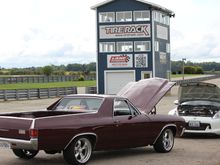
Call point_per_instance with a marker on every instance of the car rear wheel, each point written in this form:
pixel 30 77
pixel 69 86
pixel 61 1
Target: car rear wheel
pixel 79 151
pixel 25 154
pixel 165 141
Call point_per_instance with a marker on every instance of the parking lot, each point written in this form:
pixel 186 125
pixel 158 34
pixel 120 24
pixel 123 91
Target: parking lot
pixel 193 150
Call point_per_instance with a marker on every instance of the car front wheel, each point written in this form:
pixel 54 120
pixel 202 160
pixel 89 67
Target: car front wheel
pixel 25 154
pixel 78 152
pixel 165 141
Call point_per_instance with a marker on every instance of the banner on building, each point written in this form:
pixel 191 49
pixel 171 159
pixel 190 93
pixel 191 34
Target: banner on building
pixel 120 61
pixel 124 31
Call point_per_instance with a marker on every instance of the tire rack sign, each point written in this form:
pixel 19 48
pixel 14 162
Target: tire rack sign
pixel 120 61
pixel 124 31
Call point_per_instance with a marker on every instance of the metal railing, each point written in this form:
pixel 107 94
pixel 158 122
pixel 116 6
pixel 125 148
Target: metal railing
pixel 27 94
pixel 42 79
pixel 91 90
pixel 210 77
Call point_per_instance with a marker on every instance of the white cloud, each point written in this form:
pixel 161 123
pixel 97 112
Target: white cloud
pixel 42 32
pixel 38 31
pixel 195 30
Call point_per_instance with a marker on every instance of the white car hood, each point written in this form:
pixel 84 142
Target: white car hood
pixel 198 91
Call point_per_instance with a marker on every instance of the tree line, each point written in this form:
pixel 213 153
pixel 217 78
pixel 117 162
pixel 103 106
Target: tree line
pixel 86 69
pixel 194 67
pixel 70 69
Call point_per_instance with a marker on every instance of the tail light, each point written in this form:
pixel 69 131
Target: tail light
pixel 33 133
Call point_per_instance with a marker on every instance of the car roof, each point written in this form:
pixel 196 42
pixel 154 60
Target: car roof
pixel 92 95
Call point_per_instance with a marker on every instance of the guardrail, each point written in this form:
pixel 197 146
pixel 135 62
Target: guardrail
pixel 27 94
pixel 24 94
pixel 91 90
pixel 42 79
pixel 210 77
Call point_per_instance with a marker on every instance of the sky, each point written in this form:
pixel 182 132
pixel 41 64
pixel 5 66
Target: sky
pixel 45 32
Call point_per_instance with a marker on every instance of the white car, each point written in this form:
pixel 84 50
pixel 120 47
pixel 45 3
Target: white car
pixel 199 104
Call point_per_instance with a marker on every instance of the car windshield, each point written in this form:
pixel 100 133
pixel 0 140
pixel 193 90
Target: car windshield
pixel 85 104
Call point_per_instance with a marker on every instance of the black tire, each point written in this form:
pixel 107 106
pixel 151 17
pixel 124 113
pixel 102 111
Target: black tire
pixel 25 154
pixel 165 141
pixel 79 151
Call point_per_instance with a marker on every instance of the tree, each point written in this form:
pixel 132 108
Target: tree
pixel 199 70
pixel 193 70
pixel 74 67
pixel 91 66
pixel 47 70
pixel 189 70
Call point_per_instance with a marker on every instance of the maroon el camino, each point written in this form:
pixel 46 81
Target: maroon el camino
pixel 77 125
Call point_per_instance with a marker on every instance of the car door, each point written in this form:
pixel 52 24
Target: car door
pixel 132 129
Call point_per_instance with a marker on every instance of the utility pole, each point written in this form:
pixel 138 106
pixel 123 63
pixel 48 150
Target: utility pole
pixel 183 60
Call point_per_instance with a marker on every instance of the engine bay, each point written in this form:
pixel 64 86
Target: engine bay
pixel 198 110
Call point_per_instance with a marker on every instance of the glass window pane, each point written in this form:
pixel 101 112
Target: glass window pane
pixel 106 47
pixel 124 46
pixel 163 58
pixel 156 46
pixel 121 108
pixel 128 16
pixel 141 46
pixel 168 48
pixel 137 16
pixel 158 17
pixel 146 15
pixel 124 16
pixel 107 17
pixel 167 20
pixel 119 17
pixel 85 104
pixel 141 15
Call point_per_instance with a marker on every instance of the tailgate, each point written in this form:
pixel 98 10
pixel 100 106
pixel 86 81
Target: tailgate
pixel 15 128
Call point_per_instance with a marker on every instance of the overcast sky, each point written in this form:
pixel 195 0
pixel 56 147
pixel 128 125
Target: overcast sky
pixel 44 32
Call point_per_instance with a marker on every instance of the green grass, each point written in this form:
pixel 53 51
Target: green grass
pixel 48 85
pixel 212 72
pixel 185 75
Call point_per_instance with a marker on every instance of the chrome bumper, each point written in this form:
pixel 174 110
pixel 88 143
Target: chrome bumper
pixel 31 144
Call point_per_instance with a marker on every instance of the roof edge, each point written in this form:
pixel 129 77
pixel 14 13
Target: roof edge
pixel 159 7
pixel 156 6
pixel 100 4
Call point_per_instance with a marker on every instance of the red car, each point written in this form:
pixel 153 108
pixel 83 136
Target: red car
pixel 77 125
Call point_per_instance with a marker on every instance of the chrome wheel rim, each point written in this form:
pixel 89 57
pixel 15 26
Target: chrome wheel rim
pixel 168 140
pixel 82 150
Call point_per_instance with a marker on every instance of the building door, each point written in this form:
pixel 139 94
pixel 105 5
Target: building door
pixel 116 80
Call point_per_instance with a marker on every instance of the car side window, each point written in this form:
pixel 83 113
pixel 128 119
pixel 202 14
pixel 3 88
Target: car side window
pixel 121 108
pixel 133 110
pixel 79 104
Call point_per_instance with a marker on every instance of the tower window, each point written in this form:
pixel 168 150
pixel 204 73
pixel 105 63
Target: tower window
pixel 142 46
pixel 106 17
pixel 142 15
pixel 106 47
pixel 124 46
pixel 125 16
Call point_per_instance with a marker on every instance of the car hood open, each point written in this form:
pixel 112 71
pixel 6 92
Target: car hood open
pixel 145 94
pixel 198 91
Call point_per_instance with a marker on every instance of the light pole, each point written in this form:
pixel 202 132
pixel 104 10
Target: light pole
pixel 183 60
